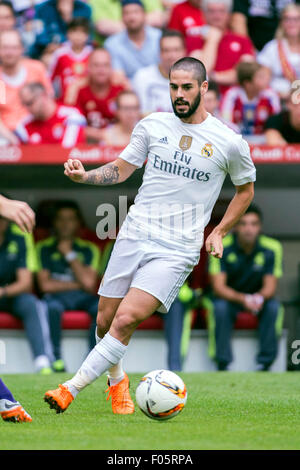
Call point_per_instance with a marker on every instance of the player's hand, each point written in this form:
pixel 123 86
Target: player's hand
pixel 214 244
pixel 64 247
pixel 18 212
pixel 253 302
pixel 74 169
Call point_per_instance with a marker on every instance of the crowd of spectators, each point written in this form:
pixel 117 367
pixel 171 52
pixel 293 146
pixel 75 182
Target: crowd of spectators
pixel 84 53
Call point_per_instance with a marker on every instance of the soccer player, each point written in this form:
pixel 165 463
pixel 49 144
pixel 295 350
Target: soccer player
pixel 20 213
pixel 189 153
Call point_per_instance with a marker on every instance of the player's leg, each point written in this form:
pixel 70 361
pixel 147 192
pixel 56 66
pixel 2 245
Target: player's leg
pixel 269 329
pixel 109 351
pixel 136 306
pixel 10 409
pixel 62 397
pixel 107 308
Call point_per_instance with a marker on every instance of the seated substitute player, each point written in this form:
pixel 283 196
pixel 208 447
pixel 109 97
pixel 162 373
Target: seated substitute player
pixel 49 122
pixel 21 214
pixel 68 274
pixel 189 153
pixel 246 278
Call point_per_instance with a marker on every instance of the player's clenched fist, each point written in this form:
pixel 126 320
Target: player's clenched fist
pixel 74 169
pixel 214 244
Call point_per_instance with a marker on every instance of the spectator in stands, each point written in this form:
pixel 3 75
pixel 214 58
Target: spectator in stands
pixel 219 48
pixel 68 274
pixel 257 19
pixel 284 128
pixel 138 45
pixel 7 16
pixel 245 278
pixel 96 97
pixel 17 264
pixel 152 83
pixel 128 113
pixel 49 122
pixel 282 54
pixel 69 62
pixel 251 103
pixel 54 16
pixel 107 15
pixel 188 18
pixel 212 104
pixel 15 72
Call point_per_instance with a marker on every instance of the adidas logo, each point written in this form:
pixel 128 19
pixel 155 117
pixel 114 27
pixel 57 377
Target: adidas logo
pixel 163 140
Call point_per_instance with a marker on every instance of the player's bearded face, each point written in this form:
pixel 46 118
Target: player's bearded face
pixel 190 107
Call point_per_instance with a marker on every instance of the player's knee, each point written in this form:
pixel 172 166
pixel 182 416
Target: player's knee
pixel 126 319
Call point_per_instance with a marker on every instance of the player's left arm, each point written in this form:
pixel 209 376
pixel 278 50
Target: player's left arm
pixel 22 284
pixel 269 286
pixel 238 205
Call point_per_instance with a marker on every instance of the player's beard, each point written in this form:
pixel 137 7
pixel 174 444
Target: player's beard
pixel 192 107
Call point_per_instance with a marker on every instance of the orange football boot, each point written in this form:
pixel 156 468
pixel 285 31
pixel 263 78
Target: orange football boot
pixel 121 401
pixel 59 399
pixel 15 414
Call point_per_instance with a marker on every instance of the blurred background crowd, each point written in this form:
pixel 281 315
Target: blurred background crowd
pixel 87 71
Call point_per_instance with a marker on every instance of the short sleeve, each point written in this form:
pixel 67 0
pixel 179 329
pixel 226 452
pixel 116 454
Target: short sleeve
pixel 93 257
pixel 43 260
pixel 136 151
pixel 240 165
pixel 268 54
pixel 116 60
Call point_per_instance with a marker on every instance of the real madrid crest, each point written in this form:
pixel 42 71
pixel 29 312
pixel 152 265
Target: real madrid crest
pixel 185 142
pixel 207 150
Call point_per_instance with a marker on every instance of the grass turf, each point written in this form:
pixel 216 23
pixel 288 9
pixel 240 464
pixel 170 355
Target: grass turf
pixel 223 411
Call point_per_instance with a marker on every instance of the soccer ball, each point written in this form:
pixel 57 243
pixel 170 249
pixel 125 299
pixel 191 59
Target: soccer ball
pixel 161 394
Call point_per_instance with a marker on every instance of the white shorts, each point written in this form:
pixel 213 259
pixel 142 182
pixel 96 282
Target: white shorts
pixel 149 266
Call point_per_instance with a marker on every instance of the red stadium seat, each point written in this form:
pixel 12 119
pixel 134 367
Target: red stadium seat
pixel 246 321
pixel 152 323
pixel 76 320
pixel 9 322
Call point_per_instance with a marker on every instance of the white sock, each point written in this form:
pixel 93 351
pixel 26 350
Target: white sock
pixel 98 339
pixel 115 373
pixel 104 355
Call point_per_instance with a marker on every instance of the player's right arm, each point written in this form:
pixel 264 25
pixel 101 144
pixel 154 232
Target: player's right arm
pixel 111 173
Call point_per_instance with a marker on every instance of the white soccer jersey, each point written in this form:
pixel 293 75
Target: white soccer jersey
pixel 152 89
pixel 185 170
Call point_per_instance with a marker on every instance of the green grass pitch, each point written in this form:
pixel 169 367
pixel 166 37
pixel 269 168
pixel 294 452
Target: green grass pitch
pixel 223 411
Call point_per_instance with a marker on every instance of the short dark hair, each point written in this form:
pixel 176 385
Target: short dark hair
pixel 191 64
pixel 254 209
pixel 125 93
pixel 171 33
pixel 246 71
pixel 79 22
pixel 67 204
pixel 213 86
pixel 6 3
